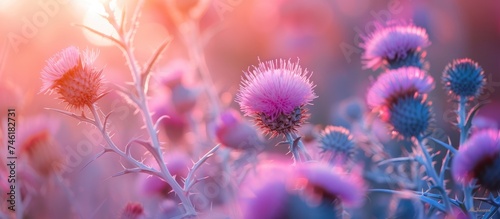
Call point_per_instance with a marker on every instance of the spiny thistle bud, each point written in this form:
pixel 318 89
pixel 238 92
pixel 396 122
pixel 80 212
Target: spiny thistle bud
pixel 71 74
pixel 352 109
pixel 337 141
pixel 177 123
pixel 233 132
pixel 275 94
pixel 395 46
pixel 410 116
pixel 184 98
pixel 396 83
pixel 479 158
pixel 464 78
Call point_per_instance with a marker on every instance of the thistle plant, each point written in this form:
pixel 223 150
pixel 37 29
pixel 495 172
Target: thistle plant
pixel 275 94
pixel 72 75
pixel 464 80
pixel 196 156
pixel 399 97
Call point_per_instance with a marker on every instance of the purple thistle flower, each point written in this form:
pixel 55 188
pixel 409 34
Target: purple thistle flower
pixel 479 158
pixel 332 182
pixel 396 46
pixel 464 78
pixel 396 83
pixel 275 94
pixel 311 190
pixel 176 125
pixel 233 132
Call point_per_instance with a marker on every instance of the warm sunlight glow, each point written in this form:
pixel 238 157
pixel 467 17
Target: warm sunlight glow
pixel 93 19
pixel 6 4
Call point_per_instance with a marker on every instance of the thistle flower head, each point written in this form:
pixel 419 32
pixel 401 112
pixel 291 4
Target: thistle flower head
pixel 409 116
pixel 71 74
pixel 233 132
pixel 332 182
pixel 479 158
pixel 397 83
pixel 37 143
pixel 352 109
pixel 176 125
pixel 311 190
pixel 133 211
pixel 464 78
pixel 176 72
pixel 275 94
pixel 398 44
pixel 338 141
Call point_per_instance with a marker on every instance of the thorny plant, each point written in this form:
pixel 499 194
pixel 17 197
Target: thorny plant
pixel 138 95
pixel 275 94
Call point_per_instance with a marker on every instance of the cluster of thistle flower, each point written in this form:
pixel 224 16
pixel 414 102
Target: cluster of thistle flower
pixel 321 181
pixel 399 97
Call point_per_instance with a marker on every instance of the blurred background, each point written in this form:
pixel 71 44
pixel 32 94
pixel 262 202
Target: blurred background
pixel 323 34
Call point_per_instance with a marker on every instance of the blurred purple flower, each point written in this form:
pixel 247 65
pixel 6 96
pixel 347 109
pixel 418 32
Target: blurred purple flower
pixel 400 44
pixel 184 98
pixel 176 72
pixel 483 123
pixel 479 158
pixel 233 132
pixel 176 125
pixel 133 211
pixel 275 94
pixel 313 189
pixel 37 144
pixel 332 182
pixel 397 83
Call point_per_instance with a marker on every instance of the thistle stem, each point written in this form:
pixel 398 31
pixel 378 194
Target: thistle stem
pixel 431 172
pixel 461 120
pixel 192 41
pixel 165 174
pixel 302 147
pixel 296 145
pixel 143 107
pixel 293 149
pixel 464 132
